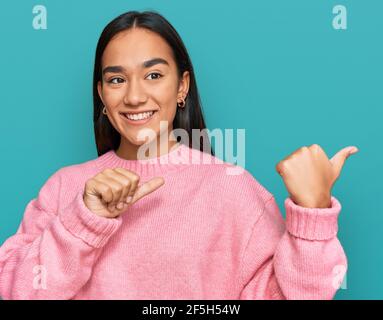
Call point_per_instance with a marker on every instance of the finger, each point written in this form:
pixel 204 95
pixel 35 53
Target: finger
pixel 318 152
pixel 134 180
pixel 316 148
pixel 282 167
pixel 102 190
pixel 148 187
pixel 116 189
pixel 125 181
pixel 279 167
pixel 297 151
pixel 340 157
pixel 281 164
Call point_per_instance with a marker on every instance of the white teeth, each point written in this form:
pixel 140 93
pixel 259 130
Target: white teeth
pixel 139 116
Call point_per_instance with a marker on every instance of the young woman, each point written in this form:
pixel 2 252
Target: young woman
pixel 170 226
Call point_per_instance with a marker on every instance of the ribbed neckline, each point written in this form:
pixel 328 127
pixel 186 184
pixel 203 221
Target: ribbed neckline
pixel 179 157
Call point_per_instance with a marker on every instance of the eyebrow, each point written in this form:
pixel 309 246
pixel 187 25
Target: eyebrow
pixel 145 64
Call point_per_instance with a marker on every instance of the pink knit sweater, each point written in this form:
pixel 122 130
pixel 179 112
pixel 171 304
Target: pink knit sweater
pixel 205 234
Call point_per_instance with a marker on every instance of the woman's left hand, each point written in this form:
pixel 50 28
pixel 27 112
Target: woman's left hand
pixel 309 175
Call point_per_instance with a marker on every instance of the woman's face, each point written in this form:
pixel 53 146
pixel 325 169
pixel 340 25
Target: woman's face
pixel 140 81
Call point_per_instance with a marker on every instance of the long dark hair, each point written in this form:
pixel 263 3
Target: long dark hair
pixel 191 117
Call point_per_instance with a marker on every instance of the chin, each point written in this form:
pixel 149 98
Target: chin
pixel 138 143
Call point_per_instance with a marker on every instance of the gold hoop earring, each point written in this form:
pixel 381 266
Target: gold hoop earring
pixel 181 104
pixel 104 110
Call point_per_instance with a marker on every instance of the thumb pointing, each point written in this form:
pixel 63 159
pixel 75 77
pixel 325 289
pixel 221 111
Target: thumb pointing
pixel 340 157
pixel 147 187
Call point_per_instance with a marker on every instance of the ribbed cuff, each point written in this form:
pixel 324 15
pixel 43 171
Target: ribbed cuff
pixel 86 225
pixel 312 223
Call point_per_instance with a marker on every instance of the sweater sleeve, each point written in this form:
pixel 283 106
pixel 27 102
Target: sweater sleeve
pixel 300 258
pixel 53 251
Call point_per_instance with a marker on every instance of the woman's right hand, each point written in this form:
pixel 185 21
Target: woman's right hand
pixel 109 193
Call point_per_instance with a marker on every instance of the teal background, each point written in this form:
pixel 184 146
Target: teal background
pixel 276 68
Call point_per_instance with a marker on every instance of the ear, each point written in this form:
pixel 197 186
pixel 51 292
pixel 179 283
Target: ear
pixel 183 87
pixel 99 89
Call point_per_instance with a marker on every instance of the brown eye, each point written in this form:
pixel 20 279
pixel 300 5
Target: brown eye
pixel 116 80
pixel 156 75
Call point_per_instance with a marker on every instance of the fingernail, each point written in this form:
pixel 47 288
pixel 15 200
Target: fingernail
pixel 353 150
pixel 128 199
pixel 120 205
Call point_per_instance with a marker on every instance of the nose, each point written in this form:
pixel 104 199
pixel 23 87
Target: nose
pixel 135 93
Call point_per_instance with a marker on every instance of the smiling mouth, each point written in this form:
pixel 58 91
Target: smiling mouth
pixel 138 116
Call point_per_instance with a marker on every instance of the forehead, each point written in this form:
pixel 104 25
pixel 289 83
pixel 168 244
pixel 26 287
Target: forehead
pixel 131 47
